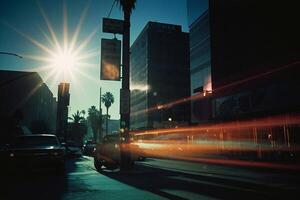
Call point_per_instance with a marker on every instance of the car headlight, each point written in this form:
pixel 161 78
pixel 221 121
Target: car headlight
pixel 57 153
pixel 11 155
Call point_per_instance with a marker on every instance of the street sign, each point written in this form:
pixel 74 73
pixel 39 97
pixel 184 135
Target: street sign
pixel 112 25
pixel 124 101
pixel 110 59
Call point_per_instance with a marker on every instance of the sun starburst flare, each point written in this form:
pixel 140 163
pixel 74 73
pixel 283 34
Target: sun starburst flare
pixel 62 59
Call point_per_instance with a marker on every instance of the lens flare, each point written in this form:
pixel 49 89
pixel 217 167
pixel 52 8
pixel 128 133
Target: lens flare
pixel 62 57
pixel 64 61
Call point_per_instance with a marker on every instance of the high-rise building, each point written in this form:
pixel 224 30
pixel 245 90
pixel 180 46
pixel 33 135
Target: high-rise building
pixel 200 59
pixel 253 53
pixel 247 54
pixel 159 72
pixel 254 57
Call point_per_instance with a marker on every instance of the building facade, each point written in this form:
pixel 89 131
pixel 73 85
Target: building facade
pixel 200 60
pixel 159 71
pixel 254 57
pixel 245 53
pixel 255 69
pixel 26 101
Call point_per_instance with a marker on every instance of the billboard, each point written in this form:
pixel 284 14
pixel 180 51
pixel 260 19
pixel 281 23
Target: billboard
pixel 110 59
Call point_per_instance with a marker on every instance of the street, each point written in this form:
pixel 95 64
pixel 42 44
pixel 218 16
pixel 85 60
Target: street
pixel 151 179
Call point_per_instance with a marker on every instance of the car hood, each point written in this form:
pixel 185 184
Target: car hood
pixel 37 148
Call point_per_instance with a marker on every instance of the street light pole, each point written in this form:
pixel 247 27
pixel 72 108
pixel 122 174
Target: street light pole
pixel 100 117
pixel 11 54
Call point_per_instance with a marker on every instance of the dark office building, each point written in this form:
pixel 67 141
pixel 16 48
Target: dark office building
pixel 159 75
pixel 255 57
pixel 253 52
pixel 200 60
pixel 247 52
pixel 25 101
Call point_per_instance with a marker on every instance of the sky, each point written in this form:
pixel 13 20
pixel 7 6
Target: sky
pixel 39 30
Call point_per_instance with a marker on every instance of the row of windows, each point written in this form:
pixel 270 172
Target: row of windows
pixel 135 99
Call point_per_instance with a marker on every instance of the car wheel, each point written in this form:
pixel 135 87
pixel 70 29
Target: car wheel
pixel 98 164
pixel 141 158
pixel 112 166
pixel 132 164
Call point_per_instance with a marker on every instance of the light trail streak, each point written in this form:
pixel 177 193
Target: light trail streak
pixel 207 154
pixel 209 144
pixel 263 122
pixel 201 96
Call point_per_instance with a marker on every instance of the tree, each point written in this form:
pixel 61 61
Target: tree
pixel 78 127
pixel 127 6
pixel 108 99
pixel 94 121
pixel 77 117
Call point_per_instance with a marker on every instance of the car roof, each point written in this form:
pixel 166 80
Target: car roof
pixel 111 136
pixel 38 135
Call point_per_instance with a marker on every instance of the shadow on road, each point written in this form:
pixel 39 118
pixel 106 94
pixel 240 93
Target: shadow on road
pixel 33 184
pixel 170 184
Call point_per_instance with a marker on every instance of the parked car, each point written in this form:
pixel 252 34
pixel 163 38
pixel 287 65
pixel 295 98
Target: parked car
pixel 38 150
pixel 107 153
pixel 88 147
pixel 73 149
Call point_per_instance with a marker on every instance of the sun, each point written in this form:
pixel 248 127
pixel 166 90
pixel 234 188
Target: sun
pixel 64 60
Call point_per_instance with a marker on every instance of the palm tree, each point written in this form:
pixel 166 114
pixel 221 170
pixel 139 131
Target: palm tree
pixel 77 117
pixel 78 127
pixel 108 99
pixel 94 120
pixel 127 6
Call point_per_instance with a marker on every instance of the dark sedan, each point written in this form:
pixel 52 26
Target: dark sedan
pixel 88 148
pixel 38 150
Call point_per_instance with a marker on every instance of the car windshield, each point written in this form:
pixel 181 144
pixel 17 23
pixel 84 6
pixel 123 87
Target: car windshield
pixel 111 139
pixel 35 141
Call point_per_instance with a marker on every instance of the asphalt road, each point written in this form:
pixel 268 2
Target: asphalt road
pixel 152 179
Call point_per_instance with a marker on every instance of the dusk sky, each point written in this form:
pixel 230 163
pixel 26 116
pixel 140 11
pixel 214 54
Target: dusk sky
pixel 24 31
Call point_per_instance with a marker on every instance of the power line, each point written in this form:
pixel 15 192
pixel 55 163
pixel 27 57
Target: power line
pixel 111 8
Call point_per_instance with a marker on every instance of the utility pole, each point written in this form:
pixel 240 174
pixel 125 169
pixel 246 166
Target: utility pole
pixel 125 91
pixel 121 27
pixel 100 117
